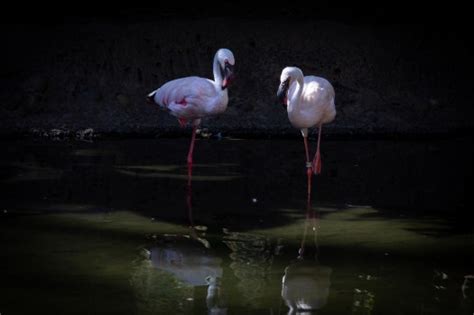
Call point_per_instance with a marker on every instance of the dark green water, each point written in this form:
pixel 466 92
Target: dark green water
pixel 105 227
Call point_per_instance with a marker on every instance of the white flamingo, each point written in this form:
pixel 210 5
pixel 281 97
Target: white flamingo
pixel 191 98
pixel 310 103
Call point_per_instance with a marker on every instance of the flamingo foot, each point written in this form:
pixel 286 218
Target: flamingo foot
pixel 317 164
pixel 309 172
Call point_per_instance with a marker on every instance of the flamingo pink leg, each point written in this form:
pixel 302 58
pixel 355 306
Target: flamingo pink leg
pixel 309 170
pixel 190 155
pixel 303 239
pixel 317 156
pixel 310 216
pixel 306 148
pixel 189 203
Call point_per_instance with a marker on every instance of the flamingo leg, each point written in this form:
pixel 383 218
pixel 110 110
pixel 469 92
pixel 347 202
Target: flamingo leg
pixel 311 217
pixel 303 239
pixel 306 148
pixel 309 170
pixel 190 155
pixel 317 156
pixel 189 203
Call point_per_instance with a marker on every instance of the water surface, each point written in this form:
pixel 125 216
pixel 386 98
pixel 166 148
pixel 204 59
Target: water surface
pixel 111 227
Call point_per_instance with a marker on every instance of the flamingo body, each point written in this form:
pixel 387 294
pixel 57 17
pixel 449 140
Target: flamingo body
pixel 315 106
pixel 310 103
pixel 192 98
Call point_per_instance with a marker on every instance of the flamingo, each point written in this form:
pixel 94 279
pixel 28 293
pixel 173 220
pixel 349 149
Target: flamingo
pixel 310 103
pixel 192 98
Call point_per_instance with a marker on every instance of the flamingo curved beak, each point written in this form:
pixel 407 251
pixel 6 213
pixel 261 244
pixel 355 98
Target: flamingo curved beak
pixel 228 75
pixel 283 92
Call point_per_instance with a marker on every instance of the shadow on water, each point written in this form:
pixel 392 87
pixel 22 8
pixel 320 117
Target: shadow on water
pixel 113 227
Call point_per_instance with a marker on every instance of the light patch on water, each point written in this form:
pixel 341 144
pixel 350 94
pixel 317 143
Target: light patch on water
pixel 57 208
pixel 156 168
pixel 368 228
pixel 212 178
pixel 92 152
pixel 157 291
pixel 33 172
pixel 121 221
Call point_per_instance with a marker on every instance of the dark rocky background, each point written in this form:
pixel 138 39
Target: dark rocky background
pixel 397 70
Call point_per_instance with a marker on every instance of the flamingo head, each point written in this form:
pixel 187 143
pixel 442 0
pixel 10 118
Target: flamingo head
pixel 226 64
pixel 287 77
pixel 282 93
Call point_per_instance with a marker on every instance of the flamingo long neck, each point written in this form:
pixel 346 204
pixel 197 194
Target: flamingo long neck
pixel 217 72
pixel 295 98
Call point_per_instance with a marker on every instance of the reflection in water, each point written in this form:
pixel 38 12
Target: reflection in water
pixel 305 284
pixel 159 292
pixel 82 222
pixel 179 264
pixel 165 282
pixel 252 256
pixel 439 285
pixel 467 288
pixel 215 299
pixel 363 302
pixel 187 261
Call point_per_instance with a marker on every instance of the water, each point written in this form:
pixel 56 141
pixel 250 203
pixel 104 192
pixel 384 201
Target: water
pixel 111 227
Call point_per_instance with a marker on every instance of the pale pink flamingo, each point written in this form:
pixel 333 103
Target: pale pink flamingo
pixel 310 103
pixel 192 98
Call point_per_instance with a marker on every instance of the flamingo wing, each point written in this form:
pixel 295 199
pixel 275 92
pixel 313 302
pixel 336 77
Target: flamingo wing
pixel 187 98
pixel 317 100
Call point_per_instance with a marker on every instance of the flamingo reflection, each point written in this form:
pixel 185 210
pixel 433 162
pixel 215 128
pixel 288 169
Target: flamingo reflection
pixel 306 282
pixel 215 299
pixel 187 261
